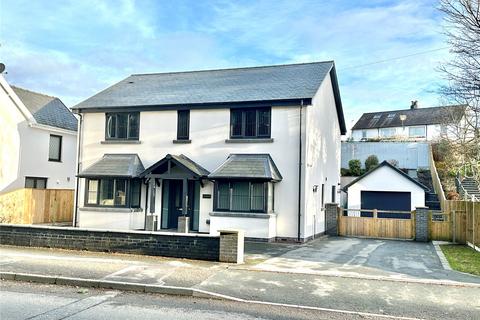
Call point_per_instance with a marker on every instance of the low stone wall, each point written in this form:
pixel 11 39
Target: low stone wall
pixel 189 246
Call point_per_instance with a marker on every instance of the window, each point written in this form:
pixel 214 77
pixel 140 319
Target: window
pixel 334 193
pixel 387 132
pixel 241 196
pixel 55 148
pixel 113 193
pixel 183 124
pixel 250 123
pixel 364 134
pixel 122 126
pixel 35 183
pixel 416 132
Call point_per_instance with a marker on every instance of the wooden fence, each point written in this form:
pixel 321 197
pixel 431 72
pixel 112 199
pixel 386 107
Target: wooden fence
pixel 31 206
pixel 374 227
pixel 459 222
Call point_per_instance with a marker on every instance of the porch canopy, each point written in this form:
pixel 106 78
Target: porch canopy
pixel 248 166
pixel 115 166
pixel 178 167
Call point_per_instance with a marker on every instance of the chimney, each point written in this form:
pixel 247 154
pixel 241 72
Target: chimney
pixel 414 104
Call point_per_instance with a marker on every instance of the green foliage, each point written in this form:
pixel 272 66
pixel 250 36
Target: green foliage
pixel 371 162
pixel 344 172
pixel 355 167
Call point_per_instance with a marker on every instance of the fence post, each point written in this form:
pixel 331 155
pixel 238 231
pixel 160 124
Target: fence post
pixel 421 224
pixel 331 212
pixel 454 226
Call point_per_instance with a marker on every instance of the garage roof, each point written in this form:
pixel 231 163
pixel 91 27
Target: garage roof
pixel 387 164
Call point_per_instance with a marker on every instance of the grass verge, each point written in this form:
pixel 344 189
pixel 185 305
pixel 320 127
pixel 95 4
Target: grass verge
pixel 462 258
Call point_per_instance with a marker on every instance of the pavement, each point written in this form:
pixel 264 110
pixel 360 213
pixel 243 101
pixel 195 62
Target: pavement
pixel 357 275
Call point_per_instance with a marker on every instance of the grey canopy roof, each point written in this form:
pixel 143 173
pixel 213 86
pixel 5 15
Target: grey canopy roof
pixel 47 110
pixel 287 84
pixel 247 166
pixel 420 116
pixel 182 160
pixel 115 165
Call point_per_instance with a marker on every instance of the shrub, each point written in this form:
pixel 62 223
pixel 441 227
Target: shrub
pixel 355 167
pixel 393 162
pixel 344 172
pixel 452 195
pixel 371 162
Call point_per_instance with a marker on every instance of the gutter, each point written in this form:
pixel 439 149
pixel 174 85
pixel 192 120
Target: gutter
pixel 299 175
pixel 79 143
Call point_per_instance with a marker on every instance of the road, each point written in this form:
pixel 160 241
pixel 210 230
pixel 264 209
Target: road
pixel 34 301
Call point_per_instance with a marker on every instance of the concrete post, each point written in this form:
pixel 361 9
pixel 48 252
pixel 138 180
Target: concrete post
pixel 231 246
pixel 331 219
pixel 183 224
pixel 421 224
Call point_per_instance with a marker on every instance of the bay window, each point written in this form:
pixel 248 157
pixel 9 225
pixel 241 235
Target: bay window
pixel 112 192
pixel 241 196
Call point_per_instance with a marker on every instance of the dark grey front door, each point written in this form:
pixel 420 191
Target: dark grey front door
pixel 172 192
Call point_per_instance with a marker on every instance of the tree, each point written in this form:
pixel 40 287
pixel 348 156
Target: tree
pixel 355 167
pixel 371 162
pixel 462 72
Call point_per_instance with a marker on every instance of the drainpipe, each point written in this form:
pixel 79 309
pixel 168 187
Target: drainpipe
pixel 79 143
pixel 300 175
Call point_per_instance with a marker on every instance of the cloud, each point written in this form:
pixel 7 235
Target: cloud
pixel 73 49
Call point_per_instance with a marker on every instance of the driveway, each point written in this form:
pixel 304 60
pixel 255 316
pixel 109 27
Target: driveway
pixel 355 257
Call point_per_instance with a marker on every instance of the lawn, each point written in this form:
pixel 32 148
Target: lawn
pixel 462 258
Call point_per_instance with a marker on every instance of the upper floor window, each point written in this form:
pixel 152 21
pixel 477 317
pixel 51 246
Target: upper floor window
pixel 250 123
pixel 416 132
pixel 55 148
pixel 183 124
pixel 122 126
pixel 35 183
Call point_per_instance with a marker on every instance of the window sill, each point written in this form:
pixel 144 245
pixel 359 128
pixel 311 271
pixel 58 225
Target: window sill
pixel 121 142
pixel 262 140
pixel 110 209
pixel 177 141
pixel 243 214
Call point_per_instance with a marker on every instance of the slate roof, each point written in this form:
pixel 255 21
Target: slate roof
pixel 420 116
pixel 47 110
pixel 181 160
pixel 386 164
pixel 115 165
pixel 281 83
pixel 247 166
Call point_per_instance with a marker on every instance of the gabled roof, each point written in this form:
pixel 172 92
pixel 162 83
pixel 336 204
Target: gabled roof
pixel 267 85
pixel 247 166
pixel 181 160
pixel 115 165
pixel 419 116
pixel 388 165
pixel 47 110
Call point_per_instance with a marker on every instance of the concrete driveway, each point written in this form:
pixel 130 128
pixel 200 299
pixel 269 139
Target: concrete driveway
pixel 355 257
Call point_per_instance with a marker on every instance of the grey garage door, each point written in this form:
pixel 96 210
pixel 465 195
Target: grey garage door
pixel 386 200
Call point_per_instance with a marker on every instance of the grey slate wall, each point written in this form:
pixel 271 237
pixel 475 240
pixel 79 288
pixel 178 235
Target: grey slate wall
pixel 331 210
pixel 201 247
pixel 421 224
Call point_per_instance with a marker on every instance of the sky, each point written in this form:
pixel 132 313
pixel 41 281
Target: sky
pixel 386 52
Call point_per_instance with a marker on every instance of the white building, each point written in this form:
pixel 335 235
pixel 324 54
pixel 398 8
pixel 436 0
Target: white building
pixel 38 135
pixel 384 188
pixel 414 124
pixel 250 148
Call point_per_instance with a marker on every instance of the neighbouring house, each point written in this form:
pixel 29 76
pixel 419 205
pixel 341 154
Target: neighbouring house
pixel 414 124
pixel 38 139
pixel 254 148
pixel 384 188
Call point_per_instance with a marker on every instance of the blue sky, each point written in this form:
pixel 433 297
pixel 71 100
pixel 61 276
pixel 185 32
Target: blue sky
pixel 73 49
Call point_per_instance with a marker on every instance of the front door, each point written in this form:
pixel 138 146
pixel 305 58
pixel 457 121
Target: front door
pixel 172 192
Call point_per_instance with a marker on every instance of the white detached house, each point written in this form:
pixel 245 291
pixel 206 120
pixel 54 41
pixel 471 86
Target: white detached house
pixel 256 149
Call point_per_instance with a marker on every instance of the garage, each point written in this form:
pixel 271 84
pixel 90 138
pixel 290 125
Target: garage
pixel 384 188
pixel 386 200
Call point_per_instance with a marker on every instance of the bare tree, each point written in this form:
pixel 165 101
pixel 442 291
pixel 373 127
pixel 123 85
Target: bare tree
pixel 462 72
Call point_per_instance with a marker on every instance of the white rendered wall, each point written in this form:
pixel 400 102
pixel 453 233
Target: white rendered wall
pixel 260 228
pixel 111 220
pixel 208 131
pixel 322 158
pixel 385 179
